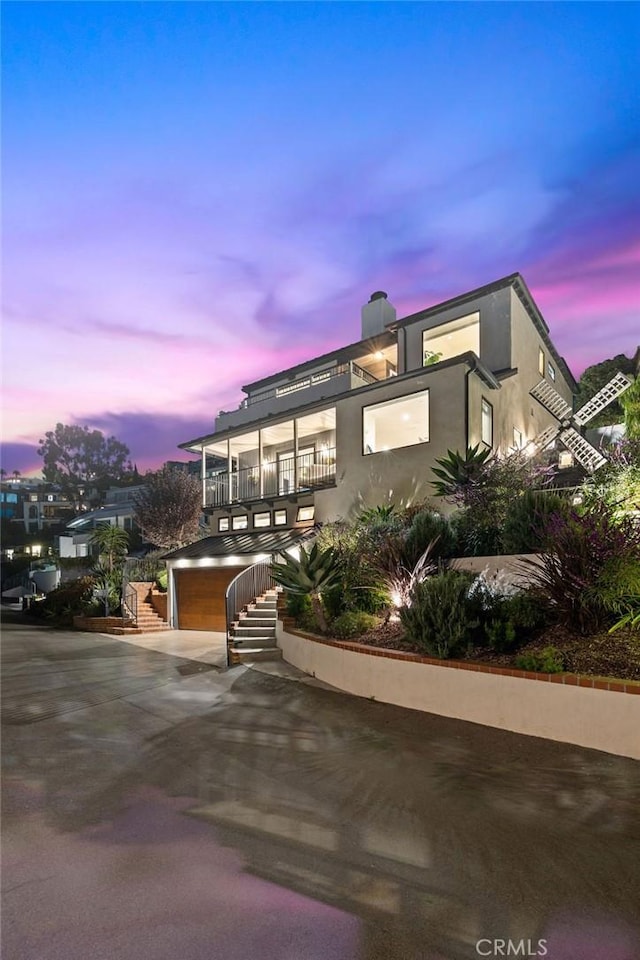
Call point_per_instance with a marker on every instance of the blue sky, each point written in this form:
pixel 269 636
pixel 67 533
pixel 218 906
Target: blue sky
pixel 199 194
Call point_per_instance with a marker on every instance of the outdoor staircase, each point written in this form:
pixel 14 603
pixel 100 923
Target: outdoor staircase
pixel 253 635
pixel 148 620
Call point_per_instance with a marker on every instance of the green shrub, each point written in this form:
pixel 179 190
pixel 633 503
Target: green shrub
pixel 475 535
pixel 344 599
pixel 72 598
pixel 359 584
pixel 427 527
pixel 297 604
pixel 548 660
pixel 500 634
pixel 441 619
pixel 510 621
pixel 300 608
pixel 528 517
pixel 353 624
pixel 161 581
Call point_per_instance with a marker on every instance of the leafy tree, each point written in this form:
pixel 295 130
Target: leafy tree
pixel 168 508
pixel 75 456
pixel 595 377
pixel 112 542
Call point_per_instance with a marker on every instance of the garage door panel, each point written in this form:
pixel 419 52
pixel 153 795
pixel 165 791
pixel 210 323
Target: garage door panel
pixel 200 597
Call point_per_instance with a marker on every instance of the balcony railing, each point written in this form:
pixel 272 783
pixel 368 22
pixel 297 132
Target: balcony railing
pixel 288 475
pixel 310 381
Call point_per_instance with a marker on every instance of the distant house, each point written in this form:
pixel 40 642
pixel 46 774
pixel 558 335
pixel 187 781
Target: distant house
pixel 363 425
pixel 118 511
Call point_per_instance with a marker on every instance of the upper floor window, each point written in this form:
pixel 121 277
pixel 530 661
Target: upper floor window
pixel 551 370
pixel 451 339
pixel 223 524
pixel 262 519
pixel 518 439
pixel 541 362
pixel 240 522
pixel 391 424
pixel 280 518
pixel 487 423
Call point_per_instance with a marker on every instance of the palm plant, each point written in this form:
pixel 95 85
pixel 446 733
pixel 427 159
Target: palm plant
pixel 112 543
pixel 313 572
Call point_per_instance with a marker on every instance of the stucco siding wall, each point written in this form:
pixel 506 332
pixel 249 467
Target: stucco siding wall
pixel 598 719
pixel 395 476
pixel 495 343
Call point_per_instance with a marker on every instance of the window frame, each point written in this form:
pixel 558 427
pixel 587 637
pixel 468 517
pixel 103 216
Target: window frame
pixel 381 403
pixel 262 513
pixel 308 506
pixel 542 361
pixel 551 371
pixel 222 520
pixel 238 517
pixel 276 521
pixel 484 401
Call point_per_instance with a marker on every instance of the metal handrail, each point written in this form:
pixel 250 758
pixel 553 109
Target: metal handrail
pixel 129 603
pixel 310 380
pixel 314 470
pixel 250 583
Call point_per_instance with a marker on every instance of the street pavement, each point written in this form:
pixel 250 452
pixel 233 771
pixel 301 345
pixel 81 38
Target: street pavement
pixel 156 807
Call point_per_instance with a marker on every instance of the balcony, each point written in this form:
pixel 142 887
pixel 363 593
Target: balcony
pixel 305 389
pixel 282 477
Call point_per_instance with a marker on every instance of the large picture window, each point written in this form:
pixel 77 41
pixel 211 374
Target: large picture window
pixel 402 422
pixel 451 339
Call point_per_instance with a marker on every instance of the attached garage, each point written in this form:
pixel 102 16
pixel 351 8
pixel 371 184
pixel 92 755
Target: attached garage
pixel 200 597
pixel 200 573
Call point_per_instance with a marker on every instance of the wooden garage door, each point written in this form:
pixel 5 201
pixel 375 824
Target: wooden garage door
pixel 200 597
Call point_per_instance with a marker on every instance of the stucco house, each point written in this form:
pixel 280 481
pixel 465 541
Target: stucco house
pixel 363 425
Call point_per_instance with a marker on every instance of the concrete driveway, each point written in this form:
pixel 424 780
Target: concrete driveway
pixel 156 808
pixel 203 646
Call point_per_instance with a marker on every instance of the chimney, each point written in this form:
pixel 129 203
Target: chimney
pixel 377 314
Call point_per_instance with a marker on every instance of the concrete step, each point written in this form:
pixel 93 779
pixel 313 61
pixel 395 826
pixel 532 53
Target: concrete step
pixel 254 632
pixel 262 605
pixel 261 642
pixel 270 613
pixel 268 622
pixel 254 655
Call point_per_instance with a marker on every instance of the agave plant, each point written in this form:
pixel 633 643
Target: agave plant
pixel 457 470
pixel 314 571
pixel 379 514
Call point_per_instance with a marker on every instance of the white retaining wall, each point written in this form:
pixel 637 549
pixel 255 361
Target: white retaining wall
pixel 600 719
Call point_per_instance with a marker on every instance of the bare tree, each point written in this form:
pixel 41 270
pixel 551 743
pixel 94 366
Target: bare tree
pixel 168 508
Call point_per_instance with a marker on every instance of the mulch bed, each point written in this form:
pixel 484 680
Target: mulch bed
pixel 602 655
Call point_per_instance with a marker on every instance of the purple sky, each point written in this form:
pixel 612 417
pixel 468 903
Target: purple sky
pixel 200 194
